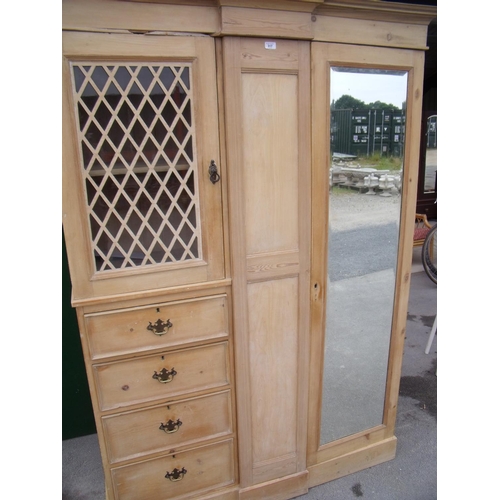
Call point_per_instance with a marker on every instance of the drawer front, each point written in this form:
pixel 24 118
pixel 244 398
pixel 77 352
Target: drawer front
pixel 163 325
pixel 206 468
pixel 148 378
pixel 137 433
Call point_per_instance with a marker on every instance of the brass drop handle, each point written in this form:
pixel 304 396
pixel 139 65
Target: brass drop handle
pixel 160 327
pixel 170 427
pixel 165 376
pixel 176 474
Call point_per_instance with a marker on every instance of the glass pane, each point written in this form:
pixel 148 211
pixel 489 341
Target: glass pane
pixel 367 145
pixel 430 178
pixel 136 135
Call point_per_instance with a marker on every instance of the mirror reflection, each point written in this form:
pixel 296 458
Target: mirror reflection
pixel 367 129
pixel 431 155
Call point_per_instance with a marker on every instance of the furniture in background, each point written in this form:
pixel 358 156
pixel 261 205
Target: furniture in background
pixel 422 228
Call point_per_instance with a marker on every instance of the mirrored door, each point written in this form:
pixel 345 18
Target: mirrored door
pixel 364 172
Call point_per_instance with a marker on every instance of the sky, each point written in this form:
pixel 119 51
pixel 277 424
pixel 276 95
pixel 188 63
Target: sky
pixel 366 87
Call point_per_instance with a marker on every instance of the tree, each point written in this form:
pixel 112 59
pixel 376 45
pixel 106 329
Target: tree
pixel 348 102
pixel 382 106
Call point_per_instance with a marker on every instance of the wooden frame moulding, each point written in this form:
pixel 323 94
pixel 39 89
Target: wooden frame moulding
pixel 113 15
pixel 343 21
pixel 369 32
pixel 374 10
pixel 332 460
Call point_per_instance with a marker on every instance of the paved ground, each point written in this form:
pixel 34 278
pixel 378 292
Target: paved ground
pixel 349 209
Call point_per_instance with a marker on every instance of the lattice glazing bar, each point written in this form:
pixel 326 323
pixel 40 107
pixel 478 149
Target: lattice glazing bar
pixel 138 158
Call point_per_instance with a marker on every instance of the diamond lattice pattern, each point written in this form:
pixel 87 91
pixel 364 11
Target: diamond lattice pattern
pixel 137 148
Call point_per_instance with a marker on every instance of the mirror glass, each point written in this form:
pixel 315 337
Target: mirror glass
pixel 367 132
pixel 431 155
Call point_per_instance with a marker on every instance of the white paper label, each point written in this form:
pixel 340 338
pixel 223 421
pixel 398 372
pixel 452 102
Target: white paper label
pixel 270 45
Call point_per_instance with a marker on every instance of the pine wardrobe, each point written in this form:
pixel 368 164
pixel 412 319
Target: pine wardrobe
pixel 197 215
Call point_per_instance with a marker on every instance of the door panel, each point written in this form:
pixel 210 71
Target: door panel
pixel 268 153
pixel 140 211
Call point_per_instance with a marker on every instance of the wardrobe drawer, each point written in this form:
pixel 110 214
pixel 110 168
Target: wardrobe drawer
pixel 163 375
pixel 163 325
pixel 137 433
pixel 205 468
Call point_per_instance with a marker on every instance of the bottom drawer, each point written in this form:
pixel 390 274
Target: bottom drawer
pixel 191 471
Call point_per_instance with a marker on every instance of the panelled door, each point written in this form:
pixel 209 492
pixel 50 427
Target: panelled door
pixel 142 198
pixel 266 95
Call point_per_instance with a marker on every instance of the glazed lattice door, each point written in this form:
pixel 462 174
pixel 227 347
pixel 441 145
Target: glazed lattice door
pixel 136 135
pixel 143 163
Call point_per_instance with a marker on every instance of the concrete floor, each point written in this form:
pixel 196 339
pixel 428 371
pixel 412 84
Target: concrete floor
pixel 412 475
